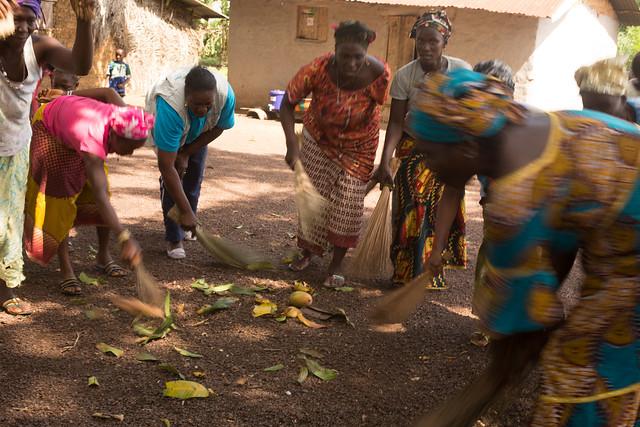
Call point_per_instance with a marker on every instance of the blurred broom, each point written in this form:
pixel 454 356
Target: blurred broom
pixel 310 203
pixel 7 26
pixel 372 257
pixel 150 295
pixel 398 305
pixel 226 251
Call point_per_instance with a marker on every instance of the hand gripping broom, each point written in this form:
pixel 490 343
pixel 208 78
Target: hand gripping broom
pixel 226 251
pixel 372 257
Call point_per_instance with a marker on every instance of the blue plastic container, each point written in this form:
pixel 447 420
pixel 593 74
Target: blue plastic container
pixel 275 99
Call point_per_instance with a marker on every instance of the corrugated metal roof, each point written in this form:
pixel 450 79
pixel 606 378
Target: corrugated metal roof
pixel 627 10
pixel 537 8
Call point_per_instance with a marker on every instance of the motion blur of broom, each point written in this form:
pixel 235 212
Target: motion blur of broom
pixel 309 202
pixel 226 251
pixel 82 10
pixel 372 257
pixel 7 26
pixel 150 295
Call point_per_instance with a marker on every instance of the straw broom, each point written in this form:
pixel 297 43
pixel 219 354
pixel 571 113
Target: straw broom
pixel 310 203
pixel 7 26
pixel 150 296
pixel 398 305
pixel 226 251
pixel 372 257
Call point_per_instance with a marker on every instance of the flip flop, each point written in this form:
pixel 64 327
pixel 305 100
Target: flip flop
pixel 71 287
pixel 112 269
pixel 177 253
pixel 300 264
pixel 334 281
pixel 17 307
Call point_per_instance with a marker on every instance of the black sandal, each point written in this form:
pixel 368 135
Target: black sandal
pixel 112 269
pixel 71 287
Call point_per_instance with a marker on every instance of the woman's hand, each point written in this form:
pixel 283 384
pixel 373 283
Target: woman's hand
pixel 292 157
pixel 85 10
pixel 383 174
pixel 435 263
pixel 188 220
pixel 6 7
pixel 131 252
pixel 182 162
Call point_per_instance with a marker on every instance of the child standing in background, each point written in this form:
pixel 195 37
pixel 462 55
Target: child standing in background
pixel 119 73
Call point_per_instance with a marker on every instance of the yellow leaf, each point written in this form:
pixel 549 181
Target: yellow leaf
pixel 199 374
pixel 92 381
pixel 264 307
pixel 184 390
pixel 309 323
pixel 302 287
pixel 105 348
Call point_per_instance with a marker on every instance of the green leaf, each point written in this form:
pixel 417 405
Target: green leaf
pixel 107 349
pixel 341 313
pixel 200 284
pixel 323 373
pixel 165 327
pixel 167 306
pixel 78 301
pixel 142 330
pixel 303 374
pixel 88 280
pixel 94 314
pixel 281 319
pixel 146 357
pixel 241 290
pixel 166 422
pixel 274 368
pixel 187 353
pixel 344 289
pixel 93 382
pixel 312 353
pixel 184 390
pixel 222 288
pixel 171 369
pixel 221 304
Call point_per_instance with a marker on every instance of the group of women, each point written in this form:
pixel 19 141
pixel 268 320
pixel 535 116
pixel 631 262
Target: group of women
pixel 559 183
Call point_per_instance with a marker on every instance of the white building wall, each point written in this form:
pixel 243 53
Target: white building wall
pixel 576 36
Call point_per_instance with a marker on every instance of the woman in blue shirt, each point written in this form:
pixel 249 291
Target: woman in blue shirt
pixel 192 107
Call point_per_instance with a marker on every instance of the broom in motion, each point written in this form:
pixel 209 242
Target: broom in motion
pixel 82 10
pixel 226 251
pixel 372 257
pixel 310 203
pixel 398 305
pixel 7 26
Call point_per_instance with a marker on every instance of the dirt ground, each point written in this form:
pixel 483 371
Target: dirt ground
pixel 384 379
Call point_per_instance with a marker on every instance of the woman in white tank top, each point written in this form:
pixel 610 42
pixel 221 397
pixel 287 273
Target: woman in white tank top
pixel 22 56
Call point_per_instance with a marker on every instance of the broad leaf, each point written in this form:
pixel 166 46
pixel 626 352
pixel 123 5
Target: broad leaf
pixel 93 382
pixel 185 390
pixel 274 368
pixel 187 353
pixel 198 374
pixel 323 373
pixel 220 304
pixel 146 357
pixel 88 280
pixel 103 416
pixel 312 353
pixel 344 289
pixel 264 307
pixel 107 349
pixel 302 286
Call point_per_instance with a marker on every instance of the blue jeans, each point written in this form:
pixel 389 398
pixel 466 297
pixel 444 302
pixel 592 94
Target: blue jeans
pixel 191 184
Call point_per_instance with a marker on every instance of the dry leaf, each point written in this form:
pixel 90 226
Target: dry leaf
pixel 302 287
pixel 146 357
pixel 312 353
pixel 171 369
pixel 93 382
pixel 323 373
pixel 185 390
pixel 303 374
pixel 187 353
pixel 265 307
pixel 198 374
pixel 107 349
pixel 105 416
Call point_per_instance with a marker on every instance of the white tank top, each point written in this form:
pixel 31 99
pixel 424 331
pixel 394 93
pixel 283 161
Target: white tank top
pixel 15 106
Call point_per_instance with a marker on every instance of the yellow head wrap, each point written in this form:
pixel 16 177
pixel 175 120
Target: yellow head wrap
pixel 606 77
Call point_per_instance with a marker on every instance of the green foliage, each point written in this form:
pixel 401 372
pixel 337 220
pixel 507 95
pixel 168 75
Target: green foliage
pixel 629 41
pixel 216 38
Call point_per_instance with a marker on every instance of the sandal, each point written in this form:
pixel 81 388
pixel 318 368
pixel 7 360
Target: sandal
pixel 71 287
pixel 112 269
pixel 334 281
pixel 300 264
pixel 479 339
pixel 17 307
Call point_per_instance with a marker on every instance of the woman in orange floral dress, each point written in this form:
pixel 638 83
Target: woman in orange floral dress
pixel 340 138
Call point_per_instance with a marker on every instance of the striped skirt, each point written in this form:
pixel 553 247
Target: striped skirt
pixel 342 220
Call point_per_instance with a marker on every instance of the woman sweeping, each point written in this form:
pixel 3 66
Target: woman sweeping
pixel 561 182
pixel 22 57
pixel 68 184
pixel 340 138
pixel 419 195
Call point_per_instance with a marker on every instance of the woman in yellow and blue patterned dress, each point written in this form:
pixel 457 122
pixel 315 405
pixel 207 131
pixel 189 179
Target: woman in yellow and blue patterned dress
pixel 561 182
